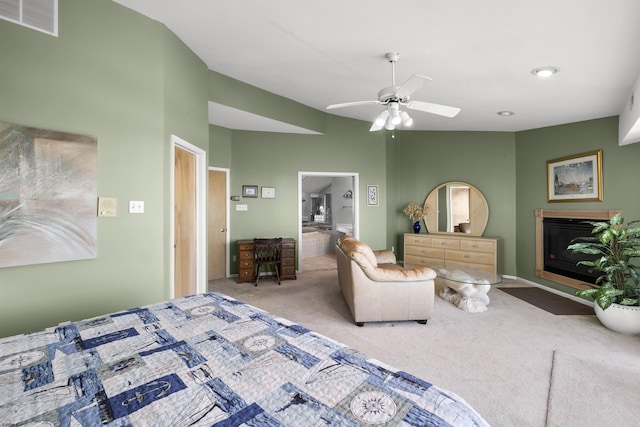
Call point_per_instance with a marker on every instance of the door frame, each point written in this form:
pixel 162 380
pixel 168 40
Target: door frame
pixel 356 208
pixel 227 220
pixel 201 214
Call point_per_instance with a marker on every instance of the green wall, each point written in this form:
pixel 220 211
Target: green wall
pixel 274 159
pixel 486 160
pixel 620 174
pixel 130 82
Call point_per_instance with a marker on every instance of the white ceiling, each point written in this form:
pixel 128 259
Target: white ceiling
pixel 479 54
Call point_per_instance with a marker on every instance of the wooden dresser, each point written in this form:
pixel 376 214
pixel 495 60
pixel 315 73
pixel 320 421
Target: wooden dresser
pixel 452 250
pixel 246 267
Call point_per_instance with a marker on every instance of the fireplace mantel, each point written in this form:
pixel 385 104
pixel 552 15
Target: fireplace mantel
pixel 593 215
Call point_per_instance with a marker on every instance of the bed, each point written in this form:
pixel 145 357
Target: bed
pixel 207 360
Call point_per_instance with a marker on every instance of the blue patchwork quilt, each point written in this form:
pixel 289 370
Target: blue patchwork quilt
pixel 207 360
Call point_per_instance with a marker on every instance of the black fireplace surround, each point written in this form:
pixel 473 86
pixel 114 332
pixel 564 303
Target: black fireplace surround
pixel 559 233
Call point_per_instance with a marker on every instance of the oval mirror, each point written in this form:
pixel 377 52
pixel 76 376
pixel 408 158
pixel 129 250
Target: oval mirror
pixel 456 207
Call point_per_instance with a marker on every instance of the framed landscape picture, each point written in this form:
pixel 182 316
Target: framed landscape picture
pixel 575 178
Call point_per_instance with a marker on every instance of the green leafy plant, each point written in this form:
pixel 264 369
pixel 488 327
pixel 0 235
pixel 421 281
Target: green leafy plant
pixel 615 246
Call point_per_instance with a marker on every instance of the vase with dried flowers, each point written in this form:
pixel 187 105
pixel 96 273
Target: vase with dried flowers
pixel 415 214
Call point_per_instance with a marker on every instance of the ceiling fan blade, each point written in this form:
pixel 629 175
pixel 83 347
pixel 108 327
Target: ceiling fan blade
pixel 428 107
pixel 374 127
pixel 414 83
pixel 352 104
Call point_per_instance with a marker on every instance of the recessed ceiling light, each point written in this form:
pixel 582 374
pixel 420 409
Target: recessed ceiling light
pixel 547 71
pixel 505 113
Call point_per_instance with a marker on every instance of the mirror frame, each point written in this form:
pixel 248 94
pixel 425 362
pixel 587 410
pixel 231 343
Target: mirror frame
pixel 478 210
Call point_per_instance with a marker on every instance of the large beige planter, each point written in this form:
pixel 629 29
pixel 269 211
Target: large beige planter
pixel 620 318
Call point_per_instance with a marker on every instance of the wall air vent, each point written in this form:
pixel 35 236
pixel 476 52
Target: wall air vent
pixel 41 15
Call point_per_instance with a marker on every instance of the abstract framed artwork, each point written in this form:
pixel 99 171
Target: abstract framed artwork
pixel 372 195
pixel 48 194
pixel 576 178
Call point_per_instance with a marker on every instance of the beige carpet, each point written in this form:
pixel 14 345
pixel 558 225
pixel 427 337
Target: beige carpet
pixel 500 361
pixel 613 400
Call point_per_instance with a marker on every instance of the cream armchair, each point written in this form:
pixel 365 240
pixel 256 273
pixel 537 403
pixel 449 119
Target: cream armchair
pixel 377 289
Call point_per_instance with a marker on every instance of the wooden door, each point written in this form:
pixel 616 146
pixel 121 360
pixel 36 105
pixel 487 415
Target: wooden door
pixel 217 224
pixel 184 223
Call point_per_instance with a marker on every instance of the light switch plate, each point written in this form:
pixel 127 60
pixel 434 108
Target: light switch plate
pixel 107 206
pixel 242 208
pixel 136 206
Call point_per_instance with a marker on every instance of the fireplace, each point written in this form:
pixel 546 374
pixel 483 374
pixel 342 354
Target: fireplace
pixel 554 231
pixel 560 233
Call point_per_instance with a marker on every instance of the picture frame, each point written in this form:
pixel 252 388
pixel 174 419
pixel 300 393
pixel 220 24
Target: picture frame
pixel 576 178
pixel 268 192
pixel 250 191
pixel 372 195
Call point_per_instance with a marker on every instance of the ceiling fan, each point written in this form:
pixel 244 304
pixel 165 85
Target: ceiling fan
pixel 394 96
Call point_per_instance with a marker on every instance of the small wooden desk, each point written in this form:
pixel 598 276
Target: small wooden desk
pixel 246 267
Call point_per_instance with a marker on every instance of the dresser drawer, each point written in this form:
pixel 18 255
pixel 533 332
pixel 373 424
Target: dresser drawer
pixel 421 261
pixel 246 274
pixel 445 243
pixel 246 263
pixel 471 257
pixel 288 270
pixel 248 246
pixel 288 253
pixel 478 246
pixel 417 240
pixel 288 262
pixel 245 255
pixel 422 251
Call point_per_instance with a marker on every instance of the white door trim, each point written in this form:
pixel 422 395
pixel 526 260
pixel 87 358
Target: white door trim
pixel 201 214
pixel 227 207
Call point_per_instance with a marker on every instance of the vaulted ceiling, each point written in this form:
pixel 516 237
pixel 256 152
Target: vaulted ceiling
pixel 479 54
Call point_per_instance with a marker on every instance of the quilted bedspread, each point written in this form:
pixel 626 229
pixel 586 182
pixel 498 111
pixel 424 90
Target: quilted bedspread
pixel 207 360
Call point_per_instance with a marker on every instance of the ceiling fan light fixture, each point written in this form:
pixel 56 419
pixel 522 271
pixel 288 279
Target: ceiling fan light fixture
pixel 394 113
pixel 389 124
pixel 382 118
pixel 546 71
pixel 407 121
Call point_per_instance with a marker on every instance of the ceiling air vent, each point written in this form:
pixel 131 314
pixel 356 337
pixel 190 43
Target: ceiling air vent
pixel 41 15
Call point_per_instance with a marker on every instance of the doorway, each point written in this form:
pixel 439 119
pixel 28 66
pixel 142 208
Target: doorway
pixel 327 208
pixel 188 214
pixel 218 224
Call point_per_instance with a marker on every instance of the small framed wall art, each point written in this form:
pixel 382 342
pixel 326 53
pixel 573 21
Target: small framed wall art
pixel 576 178
pixel 372 195
pixel 250 191
pixel 268 192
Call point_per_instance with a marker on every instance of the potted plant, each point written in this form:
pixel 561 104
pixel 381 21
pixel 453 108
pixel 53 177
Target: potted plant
pixel 614 245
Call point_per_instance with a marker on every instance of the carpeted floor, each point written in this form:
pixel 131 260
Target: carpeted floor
pixel 614 400
pixel 500 361
pixel 548 301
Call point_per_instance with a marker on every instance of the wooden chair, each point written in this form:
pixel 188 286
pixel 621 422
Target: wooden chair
pixel 267 253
